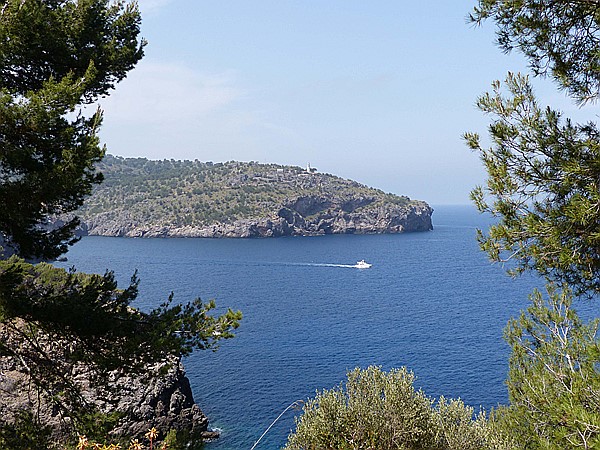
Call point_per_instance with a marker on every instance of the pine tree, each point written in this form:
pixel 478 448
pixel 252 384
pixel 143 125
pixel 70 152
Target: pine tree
pixel 544 188
pixel 55 57
pixel 560 39
pixel 543 185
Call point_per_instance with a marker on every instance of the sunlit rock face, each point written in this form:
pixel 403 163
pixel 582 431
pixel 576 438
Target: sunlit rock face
pixel 160 396
pixel 303 217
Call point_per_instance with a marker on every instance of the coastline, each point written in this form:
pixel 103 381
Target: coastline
pixel 287 222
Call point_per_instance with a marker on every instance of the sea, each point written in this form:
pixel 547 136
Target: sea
pixel 431 302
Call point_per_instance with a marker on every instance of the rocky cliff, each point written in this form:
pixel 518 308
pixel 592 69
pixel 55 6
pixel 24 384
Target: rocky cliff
pixel 326 217
pixel 160 397
pixel 142 198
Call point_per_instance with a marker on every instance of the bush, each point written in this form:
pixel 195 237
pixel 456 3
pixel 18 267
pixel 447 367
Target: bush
pixel 24 433
pixel 382 410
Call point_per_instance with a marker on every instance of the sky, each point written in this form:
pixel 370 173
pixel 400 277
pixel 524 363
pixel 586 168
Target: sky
pixel 378 91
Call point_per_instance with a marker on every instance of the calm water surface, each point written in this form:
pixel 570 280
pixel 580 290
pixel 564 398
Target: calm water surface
pixel 431 302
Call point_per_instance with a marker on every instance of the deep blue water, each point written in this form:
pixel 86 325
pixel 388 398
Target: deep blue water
pixel 431 302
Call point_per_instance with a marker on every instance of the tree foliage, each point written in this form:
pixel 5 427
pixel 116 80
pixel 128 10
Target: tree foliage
pixel 554 383
pixel 55 56
pixel 382 410
pixel 93 315
pixel 93 41
pixel 544 186
pixel 561 38
pixel 52 322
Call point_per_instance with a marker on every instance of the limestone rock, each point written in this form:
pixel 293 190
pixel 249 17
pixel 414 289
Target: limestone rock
pixel 305 216
pixel 161 397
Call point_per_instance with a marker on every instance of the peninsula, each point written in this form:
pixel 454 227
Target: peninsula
pixel 170 198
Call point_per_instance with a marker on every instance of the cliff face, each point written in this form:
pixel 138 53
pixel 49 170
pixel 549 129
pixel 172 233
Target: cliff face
pixel 142 198
pixel 160 398
pixel 326 217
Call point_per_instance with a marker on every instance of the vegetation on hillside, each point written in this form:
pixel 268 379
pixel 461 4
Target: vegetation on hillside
pixel 180 193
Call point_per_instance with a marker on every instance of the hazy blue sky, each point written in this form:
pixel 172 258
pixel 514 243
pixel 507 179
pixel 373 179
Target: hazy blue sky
pixel 373 90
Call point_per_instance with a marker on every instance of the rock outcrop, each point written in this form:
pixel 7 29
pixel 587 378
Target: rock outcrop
pixel 305 216
pixel 161 397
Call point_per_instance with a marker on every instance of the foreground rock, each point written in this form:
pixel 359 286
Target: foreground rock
pixel 160 398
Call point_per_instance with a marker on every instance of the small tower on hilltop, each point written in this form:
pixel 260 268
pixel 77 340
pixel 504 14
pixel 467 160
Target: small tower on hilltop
pixel 310 169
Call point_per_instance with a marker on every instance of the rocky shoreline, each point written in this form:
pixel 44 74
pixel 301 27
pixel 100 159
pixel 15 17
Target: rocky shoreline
pixel 306 216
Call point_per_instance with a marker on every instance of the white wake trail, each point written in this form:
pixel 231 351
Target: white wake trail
pixel 348 266
pixel 344 266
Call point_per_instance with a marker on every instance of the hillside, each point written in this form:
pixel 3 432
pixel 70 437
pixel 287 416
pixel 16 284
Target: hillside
pixel 168 198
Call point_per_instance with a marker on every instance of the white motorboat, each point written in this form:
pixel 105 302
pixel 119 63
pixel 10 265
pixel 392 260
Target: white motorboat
pixel 362 264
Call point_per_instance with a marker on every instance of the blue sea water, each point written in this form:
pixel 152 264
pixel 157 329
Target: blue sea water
pixel 431 302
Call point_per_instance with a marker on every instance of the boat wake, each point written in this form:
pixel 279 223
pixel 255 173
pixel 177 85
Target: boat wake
pixel 347 266
pixel 358 265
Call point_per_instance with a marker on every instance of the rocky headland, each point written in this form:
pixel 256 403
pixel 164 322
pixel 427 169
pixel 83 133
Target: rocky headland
pixel 143 198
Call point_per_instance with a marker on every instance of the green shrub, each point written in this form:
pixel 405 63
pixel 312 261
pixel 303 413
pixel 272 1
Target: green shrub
pixel 24 433
pixel 382 410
